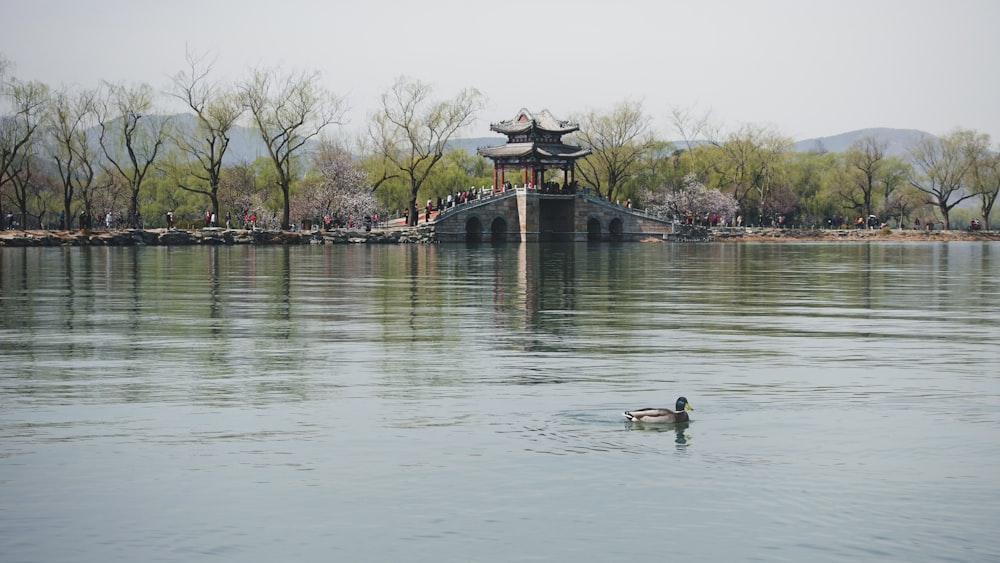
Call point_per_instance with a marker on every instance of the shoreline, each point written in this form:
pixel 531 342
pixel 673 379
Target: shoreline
pixel 425 234
pixel 213 236
pixel 753 234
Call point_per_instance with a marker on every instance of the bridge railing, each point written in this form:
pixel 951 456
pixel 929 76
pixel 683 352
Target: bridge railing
pixel 481 198
pixel 491 195
pixel 641 212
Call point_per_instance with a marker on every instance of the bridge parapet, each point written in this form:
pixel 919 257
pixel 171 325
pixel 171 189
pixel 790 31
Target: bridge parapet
pixel 524 215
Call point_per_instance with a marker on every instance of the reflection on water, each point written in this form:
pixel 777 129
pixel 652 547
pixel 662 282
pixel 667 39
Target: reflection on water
pixel 428 402
pixel 678 428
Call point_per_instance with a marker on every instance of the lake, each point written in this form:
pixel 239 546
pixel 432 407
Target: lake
pixel 438 403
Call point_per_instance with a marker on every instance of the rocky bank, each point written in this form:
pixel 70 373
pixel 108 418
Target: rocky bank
pixel 425 234
pixel 848 235
pixel 216 236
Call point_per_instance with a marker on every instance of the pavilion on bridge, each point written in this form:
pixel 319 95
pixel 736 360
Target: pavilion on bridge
pixel 534 145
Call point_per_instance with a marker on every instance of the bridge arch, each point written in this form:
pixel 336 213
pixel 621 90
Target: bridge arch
pixel 473 229
pixel 616 229
pixel 593 229
pixel 498 230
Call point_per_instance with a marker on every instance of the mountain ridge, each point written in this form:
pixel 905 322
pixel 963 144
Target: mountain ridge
pixel 898 141
pixel 245 144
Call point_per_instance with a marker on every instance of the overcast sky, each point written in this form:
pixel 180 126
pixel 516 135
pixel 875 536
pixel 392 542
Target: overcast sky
pixel 807 68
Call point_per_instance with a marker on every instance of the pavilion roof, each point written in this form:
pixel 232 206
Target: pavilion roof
pixel 526 121
pixel 535 150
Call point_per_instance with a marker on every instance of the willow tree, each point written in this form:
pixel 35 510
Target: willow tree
pixel 986 183
pixel 864 160
pixel 289 110
pixel 943 168
pixel 131 137
pixel 22 109
pixel 216 109
pixel 619 142
pixel 69 118
pixel 695 131
pixel 410 131
pixel 749 162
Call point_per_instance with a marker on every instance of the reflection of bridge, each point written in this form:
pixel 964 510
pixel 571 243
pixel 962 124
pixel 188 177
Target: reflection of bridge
pixel 527 215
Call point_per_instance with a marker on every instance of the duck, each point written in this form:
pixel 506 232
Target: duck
pixel 661 415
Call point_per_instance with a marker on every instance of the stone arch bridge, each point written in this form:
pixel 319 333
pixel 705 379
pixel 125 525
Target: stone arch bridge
pixel 529 215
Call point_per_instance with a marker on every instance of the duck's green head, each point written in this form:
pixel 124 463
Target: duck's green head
pixel 682 404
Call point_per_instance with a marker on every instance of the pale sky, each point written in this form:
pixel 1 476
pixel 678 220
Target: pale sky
pixel 807 68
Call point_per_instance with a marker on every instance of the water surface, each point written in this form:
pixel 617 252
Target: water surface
pixel 453 403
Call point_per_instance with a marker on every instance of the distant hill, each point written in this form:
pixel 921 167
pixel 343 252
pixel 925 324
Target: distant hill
pixel 245 144
pixel 474 143
pixel 898 141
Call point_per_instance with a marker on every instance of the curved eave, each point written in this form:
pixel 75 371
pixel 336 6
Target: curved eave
pixel 510 150
pixel 523 150
pixel 520 128
pixel 564 151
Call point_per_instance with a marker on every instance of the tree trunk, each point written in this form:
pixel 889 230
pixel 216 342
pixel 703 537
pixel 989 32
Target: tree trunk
pixel 286 210
pixel 67 211
pixel 944 216
pixel 412 216
pixel 133 208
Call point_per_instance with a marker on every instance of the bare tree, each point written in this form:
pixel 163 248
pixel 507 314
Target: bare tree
pixel 22 110
pixel 130 137
pixel 900 203
pixel 22 172
pixel 288 111
pixel 694 131
pixel 942 167
pixel 986 183
pixel 864 159
pixel 216 108
pixel 110 191
pixel 619 141
pixel 70 115
pixel 749 161
pixel 411 131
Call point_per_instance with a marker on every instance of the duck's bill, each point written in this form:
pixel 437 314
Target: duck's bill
pixel 688 407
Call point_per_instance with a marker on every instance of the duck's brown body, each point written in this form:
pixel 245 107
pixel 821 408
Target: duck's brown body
pixel 661 415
